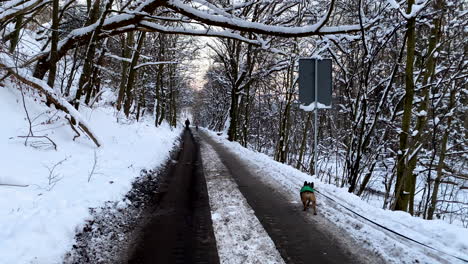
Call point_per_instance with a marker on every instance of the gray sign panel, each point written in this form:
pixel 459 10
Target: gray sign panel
pixel 307 82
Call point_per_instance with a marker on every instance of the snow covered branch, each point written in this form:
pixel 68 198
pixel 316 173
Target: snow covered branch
pixel 415 8
pixel 260 28
pixel 11 9
pixel 188 19
pixel 154 63
pixel 208 32
pixel 40 85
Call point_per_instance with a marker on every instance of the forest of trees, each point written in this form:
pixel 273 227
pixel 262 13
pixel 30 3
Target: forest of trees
pixel 398 126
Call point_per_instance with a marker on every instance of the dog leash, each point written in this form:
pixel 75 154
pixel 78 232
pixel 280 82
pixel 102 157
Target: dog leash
pixel 390 230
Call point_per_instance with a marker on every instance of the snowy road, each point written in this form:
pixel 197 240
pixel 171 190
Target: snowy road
pixel 366 242
pixel 240 237
pixel 299 237
pixel 220 203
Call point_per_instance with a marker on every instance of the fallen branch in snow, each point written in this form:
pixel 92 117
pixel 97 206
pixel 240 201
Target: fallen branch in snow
pixel 74 128
pixel 13 185
pixel 38 145
pixel 41 86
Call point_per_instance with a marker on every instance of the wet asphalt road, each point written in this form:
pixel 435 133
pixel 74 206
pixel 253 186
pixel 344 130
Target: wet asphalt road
pixel 180 228
pixel 297 240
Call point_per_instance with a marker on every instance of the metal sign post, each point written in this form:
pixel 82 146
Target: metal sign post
pixel 315 74
pixel 315 121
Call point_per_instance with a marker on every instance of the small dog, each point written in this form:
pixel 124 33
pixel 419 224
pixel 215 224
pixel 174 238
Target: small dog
pixel 308 196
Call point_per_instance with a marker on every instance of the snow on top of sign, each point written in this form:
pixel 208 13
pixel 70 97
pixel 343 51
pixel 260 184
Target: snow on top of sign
pixel 311 106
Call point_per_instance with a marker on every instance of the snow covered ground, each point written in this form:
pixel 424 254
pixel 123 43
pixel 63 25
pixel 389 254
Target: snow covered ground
pixel 240 236
pixel 436 233
pixel 55 188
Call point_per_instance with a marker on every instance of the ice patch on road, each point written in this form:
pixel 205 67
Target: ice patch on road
pixel 240 236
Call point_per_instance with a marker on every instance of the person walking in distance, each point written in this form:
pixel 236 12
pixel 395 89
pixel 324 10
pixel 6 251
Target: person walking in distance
pixel 187 123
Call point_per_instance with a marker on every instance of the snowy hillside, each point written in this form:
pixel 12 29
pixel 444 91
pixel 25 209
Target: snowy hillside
pixel 45 194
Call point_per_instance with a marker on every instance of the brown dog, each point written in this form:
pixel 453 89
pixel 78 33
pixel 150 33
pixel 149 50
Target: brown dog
pixel 308 196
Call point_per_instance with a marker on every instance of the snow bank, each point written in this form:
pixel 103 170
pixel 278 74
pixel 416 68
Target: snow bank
pixel 39 221
pixel 436 233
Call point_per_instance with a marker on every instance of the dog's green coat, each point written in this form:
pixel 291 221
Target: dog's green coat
pixel 307 188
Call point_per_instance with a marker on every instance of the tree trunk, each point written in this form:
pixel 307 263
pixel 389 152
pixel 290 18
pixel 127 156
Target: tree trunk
pixel 95 78
pixel 72 73
pixel 356 162
pixel 285 124
pixel 15 38
pixel 54 42
pixel 307 126
pixel 403 180
pixel 126 49
pixel 160 79
pixel 233 114
pixel 84 81
pixel 132 73
pixel 173 92
pixel 421 122
pixel 417 141
pixel 245 126
pixel 441 164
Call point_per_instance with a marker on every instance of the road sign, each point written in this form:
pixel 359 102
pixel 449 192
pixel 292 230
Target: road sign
pixel 307 83
pixel 315 84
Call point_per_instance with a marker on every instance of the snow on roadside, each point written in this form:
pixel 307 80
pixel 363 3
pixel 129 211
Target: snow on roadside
pixel 39 222
pixel 240 236
pixel 436 233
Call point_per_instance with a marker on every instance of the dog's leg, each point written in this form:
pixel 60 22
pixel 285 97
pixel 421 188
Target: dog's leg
pixel 314 206
pixel 303 200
